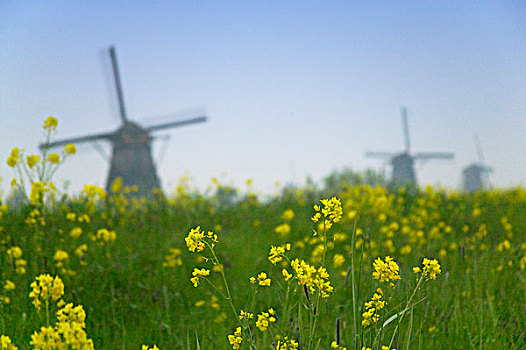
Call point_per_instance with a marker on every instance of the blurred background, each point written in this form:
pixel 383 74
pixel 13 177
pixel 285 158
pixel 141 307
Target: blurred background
pixel 291 89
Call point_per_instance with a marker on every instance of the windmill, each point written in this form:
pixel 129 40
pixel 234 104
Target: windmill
pixel 131 158
pixel 403 171
pixel 475 177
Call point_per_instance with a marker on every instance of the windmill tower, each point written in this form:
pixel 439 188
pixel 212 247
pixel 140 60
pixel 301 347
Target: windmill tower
pixel 475 177
pixel 402 163
pixel 131 158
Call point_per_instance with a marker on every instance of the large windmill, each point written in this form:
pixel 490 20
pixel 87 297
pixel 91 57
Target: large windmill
pixel 475 177
pixel 402 163
pixel 131 158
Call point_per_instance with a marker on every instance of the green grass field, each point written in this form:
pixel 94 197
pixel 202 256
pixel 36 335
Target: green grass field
pixel 126 261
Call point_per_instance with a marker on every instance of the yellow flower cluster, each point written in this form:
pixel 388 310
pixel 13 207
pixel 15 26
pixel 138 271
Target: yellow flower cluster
pixel 314 279
pixel 287 344
pixel 173 258
pixel 6 344
pixel 197 273
pixel 331 211
pixel 335 345
pixel 105 236
pixel 14 157
pixel 282 229
pixel 46 288
pixel 243 315
pixel 92 191
pixel 50 124
pixel 68 333
pixel 38 191
pixel 196 239
pixel 262 280
pixel 235 339
pixel 265 319
pixel 9 286
pixel 14 254
pixel 32 160
pixel 146 347
pixel 371 316
pixel 430 270
pixel 386 271
pixel 276 253
pixel 70 148
pixel 75 232
pixel 287 215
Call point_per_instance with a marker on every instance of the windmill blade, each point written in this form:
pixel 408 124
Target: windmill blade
pixel 405 125
pixel 176 124
pixel 380 154
pixel 77 140
pixel 434 155
pixel 478 146
pixel 118 87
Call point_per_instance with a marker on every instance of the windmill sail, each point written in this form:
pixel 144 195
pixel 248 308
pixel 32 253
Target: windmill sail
pixel 77 140
pixel 176 124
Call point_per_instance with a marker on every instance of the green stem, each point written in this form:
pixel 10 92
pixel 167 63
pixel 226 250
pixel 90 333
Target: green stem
pixel 408 305
pixel 47 312
pixel 228 295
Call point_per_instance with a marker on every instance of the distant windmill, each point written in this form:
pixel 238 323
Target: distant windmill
pixel 475 177
pixel 131 145
pixel 403 172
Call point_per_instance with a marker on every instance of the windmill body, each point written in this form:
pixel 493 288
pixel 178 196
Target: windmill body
pixel 403 169
pixel 402 163
pixel 131 159
pixel 475 177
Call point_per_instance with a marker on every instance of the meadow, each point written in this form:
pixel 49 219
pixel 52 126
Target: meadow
pixel 363 268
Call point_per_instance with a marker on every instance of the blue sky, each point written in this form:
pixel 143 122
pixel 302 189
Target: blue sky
pixel 292 89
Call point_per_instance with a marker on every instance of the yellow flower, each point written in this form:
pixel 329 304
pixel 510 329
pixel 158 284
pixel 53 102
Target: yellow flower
pixel 245 315
pixel 91 191
pixel 265 319
pixel 283 229
pixel 6 344
pixel 263 279
pixel 287 215
pixel 332 211
pixel 14 252
pixel 104 235
pixel 54 158
pixel 235 339
pixel 9 286
pixel 46 288
pixel 338 260
pixel 197 273
pixel 335 345
pixel 60 255
pixel 174 258
pixel 276 253
pixel 286 274
pixel 431 268
pixel 196 239
pixel 32 160
pixel 386 271
pixel 146 347
pixel 76 232
pixel 287 344
pixel 50 123
pixel 70 149
pixel 14 157
pixel 38 189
